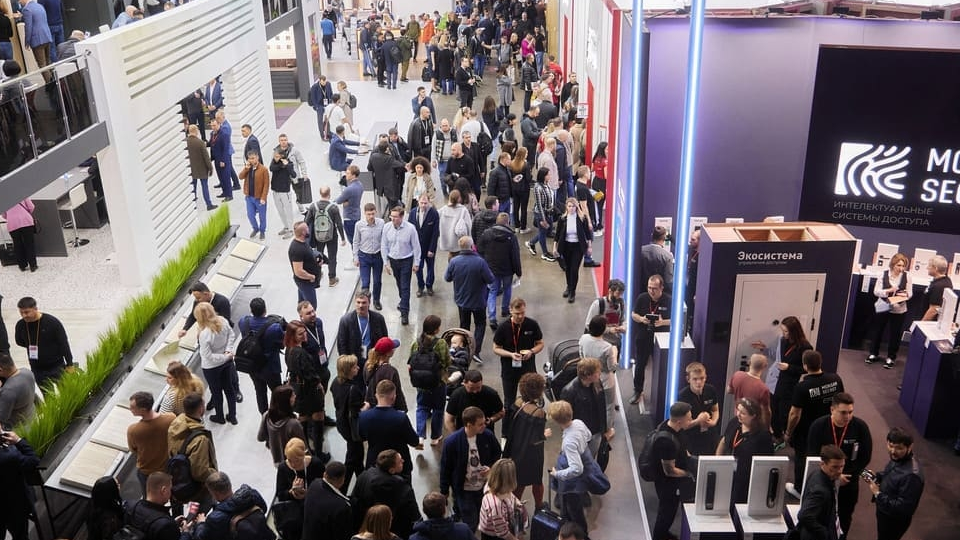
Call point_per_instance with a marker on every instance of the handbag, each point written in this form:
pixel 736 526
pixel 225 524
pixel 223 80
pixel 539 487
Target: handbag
pixel 426 75
pixel 603 455
pixel 287 515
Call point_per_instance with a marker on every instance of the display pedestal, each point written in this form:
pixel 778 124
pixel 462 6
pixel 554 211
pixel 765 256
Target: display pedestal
pixel 790 513
pixel 759 528
pixel 699 527
pixel 928 384
pixel 660 366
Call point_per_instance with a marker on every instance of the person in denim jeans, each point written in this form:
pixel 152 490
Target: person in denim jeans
pixel 366 251
pixel 431 401
pixel 542 218
pixel 500 248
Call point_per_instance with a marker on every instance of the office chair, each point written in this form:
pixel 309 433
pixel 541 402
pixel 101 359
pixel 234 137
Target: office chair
pixel 76 198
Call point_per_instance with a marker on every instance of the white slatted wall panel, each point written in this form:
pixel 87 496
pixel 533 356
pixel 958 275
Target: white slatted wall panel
pixel 243 105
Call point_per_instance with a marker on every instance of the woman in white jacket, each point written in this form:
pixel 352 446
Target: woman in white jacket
pixel 216 354
pixel 454 222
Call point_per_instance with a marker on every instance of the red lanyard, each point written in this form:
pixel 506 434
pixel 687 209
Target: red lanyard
pixel 737 438
pixel 843 434
pixel 515 330
pixel 789 350
pixel 654 306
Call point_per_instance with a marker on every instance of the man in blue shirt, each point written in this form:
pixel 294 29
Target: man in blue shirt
pixel 400 248
pixel 36 32
pixel 328 31
pixel 366 252
pixel 349 199
pixel 271 341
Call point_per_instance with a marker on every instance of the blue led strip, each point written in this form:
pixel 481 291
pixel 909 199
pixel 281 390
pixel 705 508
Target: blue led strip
pixel 637 94
pixel 682 228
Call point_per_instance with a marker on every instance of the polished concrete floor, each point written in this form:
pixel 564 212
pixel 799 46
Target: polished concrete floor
pixel 615 514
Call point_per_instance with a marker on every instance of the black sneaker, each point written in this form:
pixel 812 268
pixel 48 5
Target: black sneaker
pixel 531 248
pixel 888 364
pixel 872 359
pixel 239 397
pixel 548 258
pixel 494 325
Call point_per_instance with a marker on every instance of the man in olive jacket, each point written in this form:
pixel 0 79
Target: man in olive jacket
pixel 201 452
pixel 201 168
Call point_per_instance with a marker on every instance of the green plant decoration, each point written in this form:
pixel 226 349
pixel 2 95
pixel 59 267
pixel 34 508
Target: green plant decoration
pixel 67 397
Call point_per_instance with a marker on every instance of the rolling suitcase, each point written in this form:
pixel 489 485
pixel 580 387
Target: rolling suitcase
pixel 546 523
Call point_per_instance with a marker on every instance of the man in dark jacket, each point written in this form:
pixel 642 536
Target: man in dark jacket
pixel 230 504
pixel 460 165
pixel 531 134
pixel 438 526
pixel 426 219
pixel 17 461
pixel 151 515
pixel 587 400
pixel 386 428
pixel 201 168
pixel 383 485
pixel 817 519
pixel 391 59
pixel 465 481
pixel 465 80
pixel 420 134
pixel 499 182
pixel 327 512
pixel 360 329
pixel 898 488
pixel 500 248
pixel 485 218
pixel 385 168
pixel 271 342
pixel 321 94
pixel 470 276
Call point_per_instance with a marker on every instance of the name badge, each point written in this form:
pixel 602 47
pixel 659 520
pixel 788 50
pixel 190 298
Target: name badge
pixel 33 352
pixel 516 363
pixel 322 356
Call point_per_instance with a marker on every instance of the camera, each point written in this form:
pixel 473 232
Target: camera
pixel 652 317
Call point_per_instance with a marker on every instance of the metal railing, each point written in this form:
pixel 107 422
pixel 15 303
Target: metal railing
pixel 42 109
pixel 273 9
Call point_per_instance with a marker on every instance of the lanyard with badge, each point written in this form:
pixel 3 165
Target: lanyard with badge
pixel 515 330
pixel 33 348
pixel 364 332
pixel 321 354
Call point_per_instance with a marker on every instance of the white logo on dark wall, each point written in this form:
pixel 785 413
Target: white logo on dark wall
pixel 871 169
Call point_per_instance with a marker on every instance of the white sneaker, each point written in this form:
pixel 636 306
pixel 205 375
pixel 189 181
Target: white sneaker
pixel 791 489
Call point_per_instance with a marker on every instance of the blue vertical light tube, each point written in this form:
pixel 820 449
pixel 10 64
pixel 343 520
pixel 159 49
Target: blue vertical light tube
pixel 682 232
pixel 638 93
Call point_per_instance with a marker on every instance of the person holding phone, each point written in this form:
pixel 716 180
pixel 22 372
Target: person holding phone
pixel 651 313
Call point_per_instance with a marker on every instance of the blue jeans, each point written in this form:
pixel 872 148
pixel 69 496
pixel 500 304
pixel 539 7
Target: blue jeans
pixel 442 169
pixel 224 175
pixel 500 284
pixel 256 210
pixel 306 291
pixel 392 77
pixel 219 381
pixel 538 56
pixel 541 237
pixel 368 62
pixel 56 31
pixel 6 50
pixel 430 404
pixel 402 273
pixel 204 188
pixel 370 262
pixel 479 63
pixel 426 263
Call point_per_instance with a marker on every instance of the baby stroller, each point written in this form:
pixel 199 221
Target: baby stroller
pixel 458 366
pixel 562 367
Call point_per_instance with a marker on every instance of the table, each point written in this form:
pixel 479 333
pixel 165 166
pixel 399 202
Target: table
pixel 928 381
pixel 659 367
pixel 51 241
pixel 760 528
pixel 697 527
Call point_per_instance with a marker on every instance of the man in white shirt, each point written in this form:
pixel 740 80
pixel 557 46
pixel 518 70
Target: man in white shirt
pixel 400 249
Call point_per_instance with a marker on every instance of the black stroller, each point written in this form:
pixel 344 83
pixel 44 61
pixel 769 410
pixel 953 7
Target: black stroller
pixel 458 366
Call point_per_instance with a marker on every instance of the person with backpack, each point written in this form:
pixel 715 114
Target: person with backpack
pixel 392 56
pixel 260 344
pixel 429 360
pixel 571 488
pixel 665 460
pixel 240 515
pixel 150 517
pixel 325 224
pixel 193 456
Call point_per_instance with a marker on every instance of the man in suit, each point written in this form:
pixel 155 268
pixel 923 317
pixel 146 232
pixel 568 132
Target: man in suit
pixel 382 484
pixel 422 100
pixel 326 511
pixel 36 32
pixel 386 168
pixel 220 151
pixel 339 150
pixel 227 131
pixel 201 167
pixel 360 329
pixel 213 96
pixel 427 221
pixel 818 518
pixel 250 143
pixel 321 95
pixel 386 428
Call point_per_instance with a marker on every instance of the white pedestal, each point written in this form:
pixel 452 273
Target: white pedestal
pixel 760 527
pixel 695 527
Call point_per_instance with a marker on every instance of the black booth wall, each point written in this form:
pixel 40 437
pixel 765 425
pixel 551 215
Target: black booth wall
pixel 755 105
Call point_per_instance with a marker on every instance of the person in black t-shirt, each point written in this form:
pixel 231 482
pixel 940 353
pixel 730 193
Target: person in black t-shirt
pixel 673 481
pixel 811 400
pixel 44 337
pixel 587 206
pixel 651 312
pixel 306 269
pixel 852 435
pixel 473 393
pixel 701 437
pixel 933 296
pixel 746 436
pixel 517 341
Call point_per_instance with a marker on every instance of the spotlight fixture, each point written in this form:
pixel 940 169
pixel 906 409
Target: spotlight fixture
pixel 931 15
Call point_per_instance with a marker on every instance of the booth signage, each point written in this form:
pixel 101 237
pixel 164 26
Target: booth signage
pixel 888 157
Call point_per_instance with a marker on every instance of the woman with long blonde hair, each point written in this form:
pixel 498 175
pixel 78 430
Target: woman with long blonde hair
pixel 180 381
pixel 499 506
pixel 376 524
pixel 216 354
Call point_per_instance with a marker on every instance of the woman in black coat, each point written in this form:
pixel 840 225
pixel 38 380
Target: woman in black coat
pixel 571 245
pixel 347 390
pixel 294 476
pixel 305 379
pixel 106 509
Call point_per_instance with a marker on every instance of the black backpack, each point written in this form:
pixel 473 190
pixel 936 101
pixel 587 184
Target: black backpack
pixel 563 378
pixel 395 54
pixel 425 368
pixel 178 466
pixel 135 529
pixel 647 465
pixel 251 524
pixel 250 356
pixel 353 101
pixel 486 144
